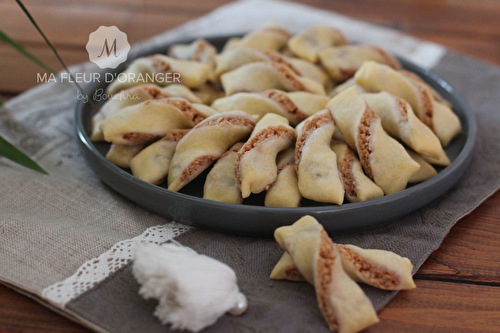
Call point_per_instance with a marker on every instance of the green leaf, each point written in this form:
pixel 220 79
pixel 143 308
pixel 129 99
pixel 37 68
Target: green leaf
pixel 1 102
pixel 20 48
pixel 12 153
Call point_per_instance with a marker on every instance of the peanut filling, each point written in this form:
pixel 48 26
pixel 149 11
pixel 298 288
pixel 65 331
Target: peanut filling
pixel 427 105
pixel 417 78
pixel 276 57
pixel 293 274
pixel 346 73
pixel 284 166
pixel 197 166
pixel 177 134
pixel 282 99
pixel 324 279
pixel 189 111
pixel 159 64
pixel 310 126
pixel 138 138
pixel 199 54
pixel 401 106
pixel 364 135
pixel 270 132
pixel 377 276
pixel 228 121
pixel 345 168
pixel 288 75
pixel 162 66
pixel 153 91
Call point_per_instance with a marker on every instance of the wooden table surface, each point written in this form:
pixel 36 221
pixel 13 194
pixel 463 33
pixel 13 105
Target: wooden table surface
pixel 458 286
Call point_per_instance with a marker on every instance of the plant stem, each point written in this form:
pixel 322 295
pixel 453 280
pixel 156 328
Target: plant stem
pixel 25 10
pixel 28 54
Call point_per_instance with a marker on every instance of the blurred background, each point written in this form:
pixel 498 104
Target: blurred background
pixel 468 26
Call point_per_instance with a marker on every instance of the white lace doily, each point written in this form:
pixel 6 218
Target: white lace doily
pixel 97 269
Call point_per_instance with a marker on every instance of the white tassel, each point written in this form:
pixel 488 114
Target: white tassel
pixel 192 290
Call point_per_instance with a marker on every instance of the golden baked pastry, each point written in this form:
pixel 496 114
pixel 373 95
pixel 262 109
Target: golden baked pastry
pixel 208 92
pixel 284 192
pixel 437 97
pixel 206 143
pixel 426 170
pixel 309 70
pixel 343 86
pixel 121 155
pixel 200 50
pixel 384 159
pixel 144 70
pixel 143 123
pixel 235 58
pixel 271 37
pixel 151 120
pixel 344 305
pixel 341 62
pixel 442 160
pixel 309 43
pixel 255 166
pixel 133 96
pixel 358 187
pixel 315 162
pixel 374 77
pixel 378 268
pixel 221 184
pixel 151 164
pixel 399 121
pixel 260 76
pixel 295 106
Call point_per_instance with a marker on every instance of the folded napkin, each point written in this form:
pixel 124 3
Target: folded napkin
pixel 67 239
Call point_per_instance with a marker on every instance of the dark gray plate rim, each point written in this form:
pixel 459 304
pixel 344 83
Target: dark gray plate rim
pixel 458 165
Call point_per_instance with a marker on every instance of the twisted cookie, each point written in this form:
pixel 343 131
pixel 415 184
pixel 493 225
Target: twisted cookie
pixel 206 143
pixel 255 166
pixel 260 76
pixel 295 106
pixel 384 159
pixel 315 162
pixel 344 306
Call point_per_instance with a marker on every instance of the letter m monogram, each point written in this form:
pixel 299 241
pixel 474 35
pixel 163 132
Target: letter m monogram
pixel 108 50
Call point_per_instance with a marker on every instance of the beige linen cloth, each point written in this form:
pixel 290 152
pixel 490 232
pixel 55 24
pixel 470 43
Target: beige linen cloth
pixel 67 240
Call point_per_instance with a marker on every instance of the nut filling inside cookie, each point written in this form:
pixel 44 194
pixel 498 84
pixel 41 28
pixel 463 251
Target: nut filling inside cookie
pixel 177 135
pixel 401 106
pixel 289 76
pixel 278 131
pixel 276 57
pixel 282 99
pixel 189 111
pixel 201 163
pixel 138 138
pixel 324 268
pixel 228 121
pixel 364 135
pixel 345 168
pixel 427 105
pixel 378 277
pixel 159 64
pixel 309 127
